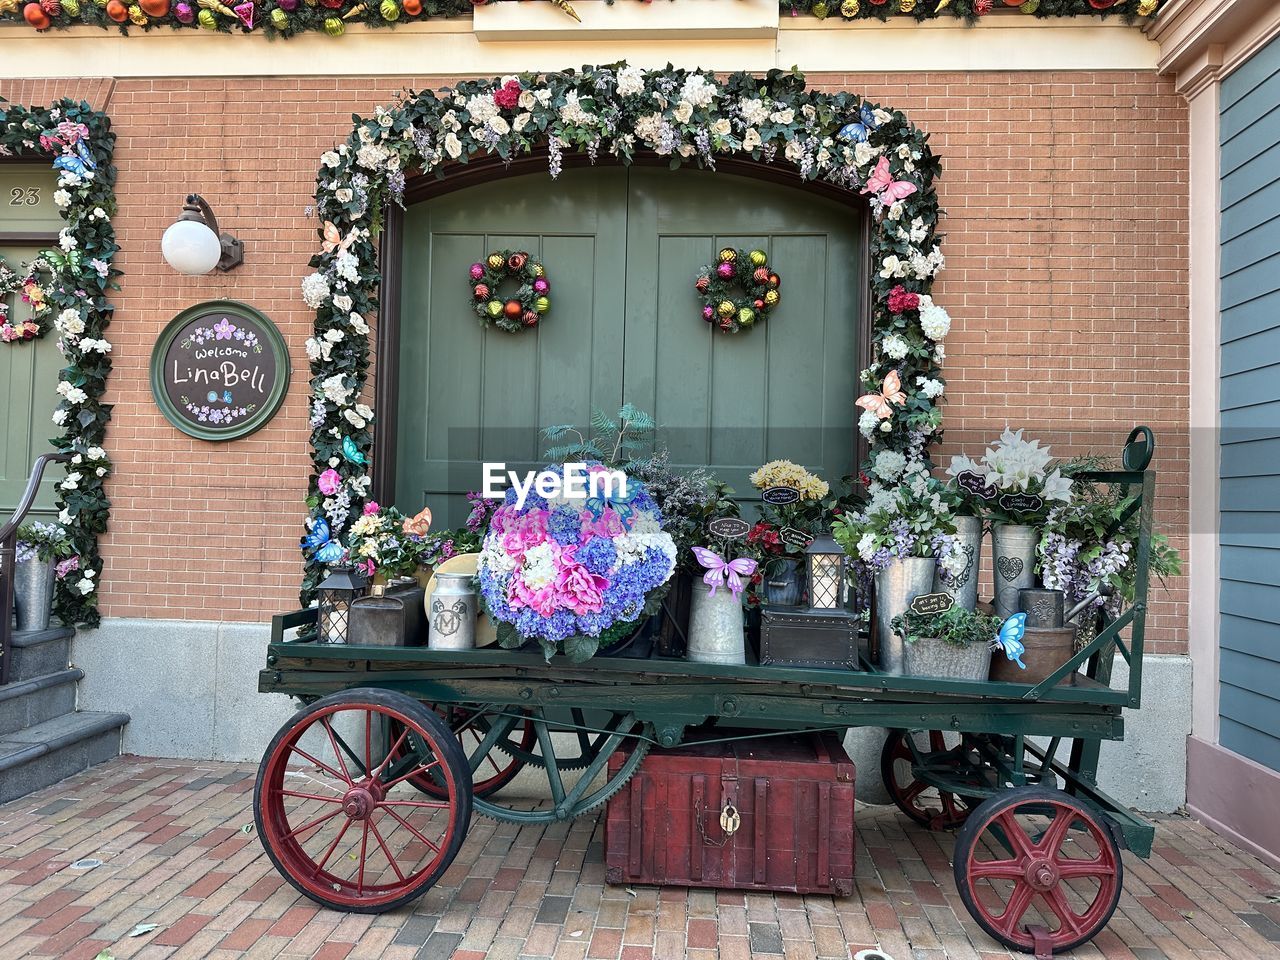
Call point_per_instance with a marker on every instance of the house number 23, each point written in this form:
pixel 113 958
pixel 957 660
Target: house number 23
pixel 24 197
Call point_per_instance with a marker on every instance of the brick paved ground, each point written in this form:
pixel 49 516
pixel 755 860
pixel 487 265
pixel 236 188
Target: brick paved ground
pixel 173 853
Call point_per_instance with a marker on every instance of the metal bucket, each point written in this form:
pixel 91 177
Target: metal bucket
pixel 964 585
pixel 716 627
pixel 896 586
pixel 1013 563
pixel 1047 650
pixel 453 613
pixel 783 582
pixel 33 593
pixel 931 657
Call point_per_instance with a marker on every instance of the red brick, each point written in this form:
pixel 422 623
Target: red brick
pixel 179 933
pixel 245 935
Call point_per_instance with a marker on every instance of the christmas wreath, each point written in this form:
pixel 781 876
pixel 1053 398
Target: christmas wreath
pixel 530 301
pixel 738 270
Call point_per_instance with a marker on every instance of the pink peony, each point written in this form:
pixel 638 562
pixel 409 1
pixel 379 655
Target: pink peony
pixel 329 482
pixel 609 525
pixel 543 599
pixel 578 590
pixel 371 508
pixel 527 531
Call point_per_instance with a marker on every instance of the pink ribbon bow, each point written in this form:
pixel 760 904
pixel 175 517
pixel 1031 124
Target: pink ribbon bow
pixel 720 572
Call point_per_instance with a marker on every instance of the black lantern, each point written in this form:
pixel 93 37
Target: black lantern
pixel 336 593
pixel 825 568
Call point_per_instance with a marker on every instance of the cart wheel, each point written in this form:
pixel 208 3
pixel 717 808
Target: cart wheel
pixel 590 738
pixel 1032 856
pixel 922 802
pixel 491 772
pixel 345 827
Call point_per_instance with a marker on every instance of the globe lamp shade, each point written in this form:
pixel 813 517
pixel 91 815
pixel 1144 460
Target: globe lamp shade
pixel 190 247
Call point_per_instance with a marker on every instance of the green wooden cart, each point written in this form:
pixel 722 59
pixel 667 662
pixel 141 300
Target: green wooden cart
pixel 365 795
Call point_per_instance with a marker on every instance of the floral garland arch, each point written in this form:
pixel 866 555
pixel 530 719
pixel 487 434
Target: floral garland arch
pixel 79 141
pixel 689 116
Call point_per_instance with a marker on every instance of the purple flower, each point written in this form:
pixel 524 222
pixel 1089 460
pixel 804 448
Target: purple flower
pixel 224 329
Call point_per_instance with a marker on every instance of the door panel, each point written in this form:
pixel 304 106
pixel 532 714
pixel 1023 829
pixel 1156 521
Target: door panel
pixel 28 385
pixel 784 389
pixel 469 394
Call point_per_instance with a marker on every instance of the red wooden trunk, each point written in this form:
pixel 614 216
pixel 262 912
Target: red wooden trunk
pixel 794 798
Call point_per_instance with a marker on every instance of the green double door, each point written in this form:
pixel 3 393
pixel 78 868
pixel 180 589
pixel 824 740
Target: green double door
pixel 621 248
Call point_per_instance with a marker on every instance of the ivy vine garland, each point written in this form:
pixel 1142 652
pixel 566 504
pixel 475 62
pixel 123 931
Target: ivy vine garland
pixel 79 142
pixel 618 111
pixel 522 309
pixel 738 270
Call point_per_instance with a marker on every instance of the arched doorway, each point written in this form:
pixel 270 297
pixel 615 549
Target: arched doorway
pixel 621 246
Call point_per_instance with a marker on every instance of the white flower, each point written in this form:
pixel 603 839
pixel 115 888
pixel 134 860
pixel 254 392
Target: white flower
pixel 71 482
pixel 751 139
pixel 99 213
pixel 330 159
pixel 452 145
pixel 334 461
pixel 882 116
pixel 935 322
pixel 1057 487
pixel 344 194
pixel 355 419
pixel 896 210
pixel 315 349
pixel 794 150
pixel 892 267
pixel 85 585
pixel 315 290
pixel 904 152
pixel 59 417
pixel 69 179
pixel 65 518
pixel 864 153
pixel 96 453
pixel 342 302
pixel 364 410
pixel 754 112
pixel 683 111
pixel 697 91
pixel 630 81
pixel 722 127
pixel 783 117
pixel 100 267
pixel 866 546
pixel 371 156
pixel 867 423
pixel 334 335
pixel 527 100
pixel 69 321
pixel 931 388
pixel 101 471
pixel 895 347
pixel 885 426
pixel 334 390
pixel 71 394
pixel 482 107
pixel 499 126
pixel 61 199
pixel 521 121
pixel 358 324
pixel 90 345
pixel 888 465
pixel 939 352
pixel 66 241
pixel 574 113
pixel 918 230
pixel 687 150
pixel 921 266
pixel 347 267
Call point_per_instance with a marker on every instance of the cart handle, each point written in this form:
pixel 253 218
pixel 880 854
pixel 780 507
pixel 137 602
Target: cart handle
pixel 1138 449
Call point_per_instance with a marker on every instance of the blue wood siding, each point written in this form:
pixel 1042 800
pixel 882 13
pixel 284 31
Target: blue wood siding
pixel 1249 668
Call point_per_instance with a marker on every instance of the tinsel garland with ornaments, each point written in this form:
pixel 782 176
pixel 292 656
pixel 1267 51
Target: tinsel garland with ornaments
pixel 285 18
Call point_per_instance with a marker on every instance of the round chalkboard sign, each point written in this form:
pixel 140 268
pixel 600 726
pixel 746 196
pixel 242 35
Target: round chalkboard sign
pixel 219 370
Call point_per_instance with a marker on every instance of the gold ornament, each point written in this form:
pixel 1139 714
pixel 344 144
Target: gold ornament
pixel 136 16
pixel 542 304
pixel 72 7
pixel 334 27
pixel 728 255
pixel 725 308
pixel 564 5
pixel 494 307
pixel 820 9
pixel 850 9
pixel 536 269
pixel 496 261
pixel 907 6
pixel 758 258
pixel 389 10
pixel 207 20
pixel 1147 7
pixel 746 316
pixel 8 6
pixel 279 19
pixel 354 12
pixel 771 298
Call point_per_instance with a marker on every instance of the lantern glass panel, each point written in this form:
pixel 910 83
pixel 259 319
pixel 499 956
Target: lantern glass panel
pixel 335 610
pixel 824 581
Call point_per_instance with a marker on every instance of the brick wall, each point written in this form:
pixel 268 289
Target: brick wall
pixel 1066 199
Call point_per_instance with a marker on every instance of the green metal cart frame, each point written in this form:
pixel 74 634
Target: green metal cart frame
pixel 458 726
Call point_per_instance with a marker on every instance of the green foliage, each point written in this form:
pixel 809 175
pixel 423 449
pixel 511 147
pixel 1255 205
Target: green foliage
pixel 957 626
pixel 616 442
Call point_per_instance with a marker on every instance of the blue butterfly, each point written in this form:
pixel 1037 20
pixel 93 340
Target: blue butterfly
pixel 79 163
pixel 226 396
pixel 326 550
pixel 621 505
pixel 860 129
pixel 352 452
pixel 1010 639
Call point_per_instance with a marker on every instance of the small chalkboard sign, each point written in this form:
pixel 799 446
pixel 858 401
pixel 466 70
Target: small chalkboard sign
pixel 728 528
pixel 1022 502
pixel 781 496
pixel 930 603
pixel 219 370
pixel 795 538
pixel 976 484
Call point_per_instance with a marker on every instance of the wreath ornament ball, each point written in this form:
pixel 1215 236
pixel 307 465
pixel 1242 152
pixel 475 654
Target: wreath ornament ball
pixel 525 308
pixel 748 271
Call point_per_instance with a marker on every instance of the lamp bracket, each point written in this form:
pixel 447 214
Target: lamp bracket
pixel 198 209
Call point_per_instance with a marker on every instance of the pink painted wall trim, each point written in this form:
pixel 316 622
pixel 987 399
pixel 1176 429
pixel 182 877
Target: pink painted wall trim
pixel 1235 798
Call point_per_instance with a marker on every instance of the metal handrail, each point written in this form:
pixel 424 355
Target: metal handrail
pixel 9 555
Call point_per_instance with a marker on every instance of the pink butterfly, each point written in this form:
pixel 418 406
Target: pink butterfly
pixel 887 189
pixel 719 572
pixel 334 240
pixel 890 393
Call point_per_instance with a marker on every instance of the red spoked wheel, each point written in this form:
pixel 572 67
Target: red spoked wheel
pixel 492 771
pixel 922 802
pixel 1034 861
pixel 337 814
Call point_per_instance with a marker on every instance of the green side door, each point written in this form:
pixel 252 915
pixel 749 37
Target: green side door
pixel 621 249
pixel 28 370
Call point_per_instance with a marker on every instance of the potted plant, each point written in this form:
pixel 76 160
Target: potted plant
pixel 40 546
pixel 800 512
pixel 955 643
pixel 899 538
pixel 1017 481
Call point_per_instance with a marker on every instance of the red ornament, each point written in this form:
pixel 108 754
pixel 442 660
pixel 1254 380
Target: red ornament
pixel 482 291
pixel 761 275
pixel 1102 4
pixel 529 318
pixel 775 281
pixel 726 323
pixel 879 3
pixel 513 309
pixel 982 6
pixel 332 4
pixel 702 284
pixel 517 261
pixel 759 304
pixel 52 7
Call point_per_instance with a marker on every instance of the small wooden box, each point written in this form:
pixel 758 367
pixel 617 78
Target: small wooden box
pixel 792 795
pixel 800 638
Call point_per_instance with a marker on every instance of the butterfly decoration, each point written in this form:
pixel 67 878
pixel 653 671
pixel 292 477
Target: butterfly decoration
pixel 319 539
pixel 226 396
pixel 860 129
pixel 352 453
pixel 621 505
pixel 419 525
pixel 721 572
pixel 335 241
pixel 1010 638
pixel 884 187
pixel 80 161
pixel 890 395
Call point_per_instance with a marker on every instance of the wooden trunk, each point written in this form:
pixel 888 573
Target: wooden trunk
pixel 673 823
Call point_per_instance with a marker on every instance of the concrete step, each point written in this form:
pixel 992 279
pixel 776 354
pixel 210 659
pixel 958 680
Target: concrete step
pixel 39 652
pixel 41 755
pixel 28 702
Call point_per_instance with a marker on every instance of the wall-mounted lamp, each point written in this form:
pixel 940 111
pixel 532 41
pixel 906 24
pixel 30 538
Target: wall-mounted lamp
pixel 193 245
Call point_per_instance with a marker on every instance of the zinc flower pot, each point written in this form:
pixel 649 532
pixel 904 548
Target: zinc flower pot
pixel 1013 563
pixel 716 627
pixel 963 584
pixel 900 582
pixel 33 582
pixel 931 657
